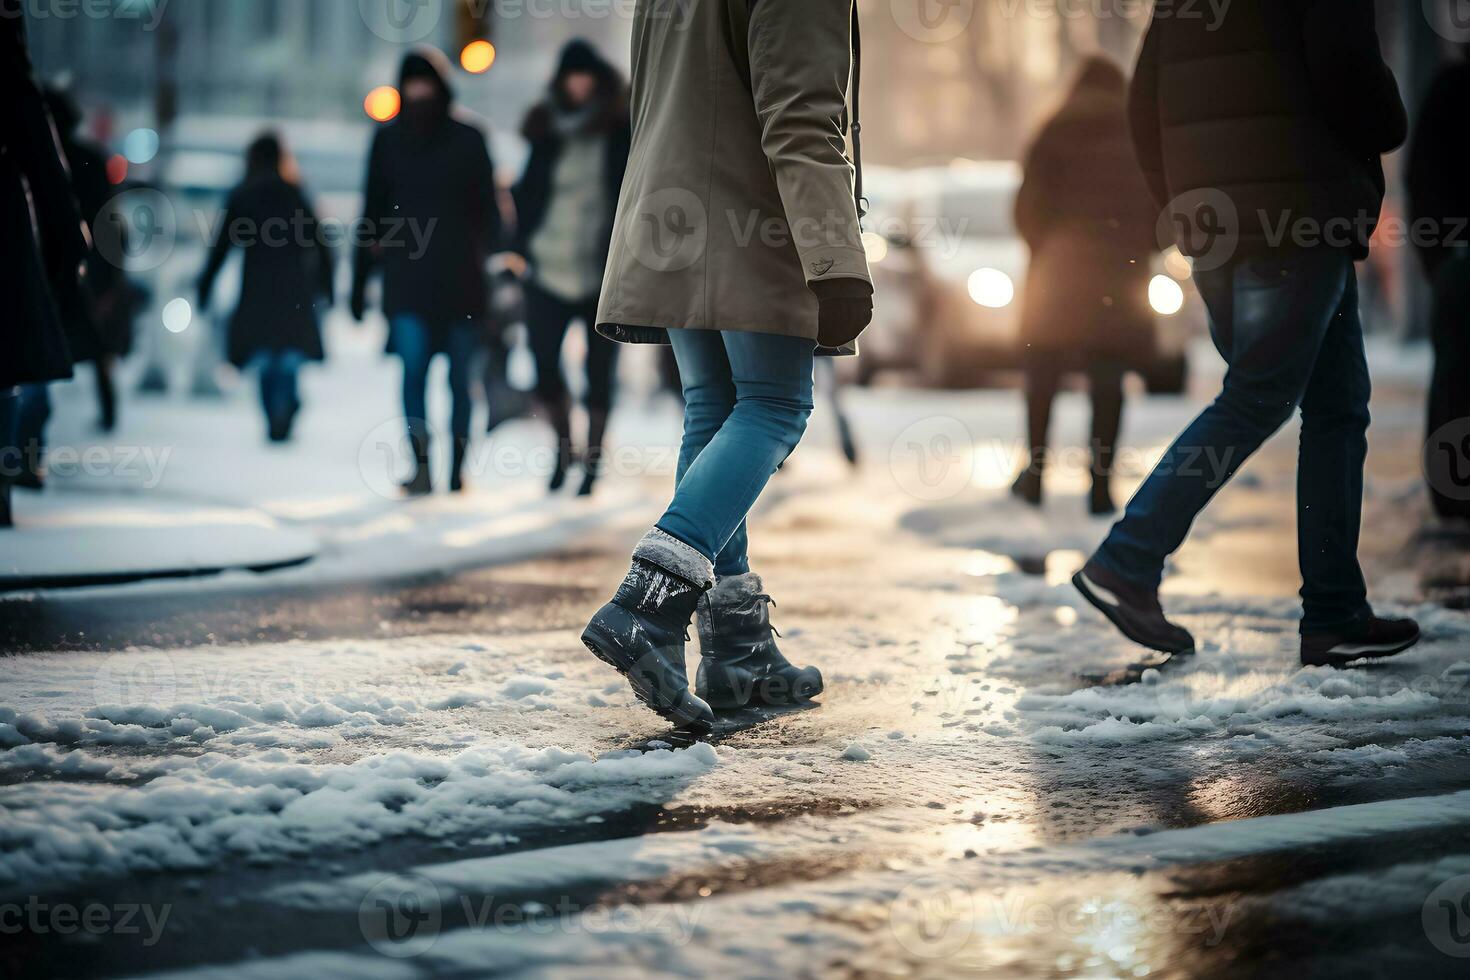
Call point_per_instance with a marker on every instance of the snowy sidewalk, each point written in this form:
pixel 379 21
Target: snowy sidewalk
pixel 481 797
pixel 187 487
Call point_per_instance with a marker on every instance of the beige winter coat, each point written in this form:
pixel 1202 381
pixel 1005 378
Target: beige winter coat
pixel 738 191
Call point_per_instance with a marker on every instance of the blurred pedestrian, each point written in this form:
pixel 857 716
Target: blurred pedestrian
pixel 1283 110
pixel 285 283
pixel 1438 182
pixel 113 296
pixel 430 223
pixel 565 204
pixel 1087 216
pixel 43 242
pixel 741 110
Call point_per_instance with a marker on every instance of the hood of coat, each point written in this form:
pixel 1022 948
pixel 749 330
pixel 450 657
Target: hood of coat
pixel 431 65
pixel 557 117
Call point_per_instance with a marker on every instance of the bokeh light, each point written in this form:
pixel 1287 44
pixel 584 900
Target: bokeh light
pixel 177 315
pixel 1165 295
pixel 477 57
pixel 383 103
pixel 140 146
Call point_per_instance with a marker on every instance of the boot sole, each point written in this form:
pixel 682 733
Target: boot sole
pixel 1079 581
pixel 1374 653
pixel 754 700
pixel 604 648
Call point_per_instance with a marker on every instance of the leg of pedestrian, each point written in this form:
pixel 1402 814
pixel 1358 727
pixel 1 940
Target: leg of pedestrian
pixel 1270 327
pixel 602 368
pixel 464 348
pixel 640 632
pixel 411 342
pixel 1105 385
pixel 1042 380
pixel 547 319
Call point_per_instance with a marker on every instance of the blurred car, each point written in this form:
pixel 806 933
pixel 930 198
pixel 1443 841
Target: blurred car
pixel 950 267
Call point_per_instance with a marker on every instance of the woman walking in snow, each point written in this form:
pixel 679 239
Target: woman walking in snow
pixel 286 281
pixel 739 112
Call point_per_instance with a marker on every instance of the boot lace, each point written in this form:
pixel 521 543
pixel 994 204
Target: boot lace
pixel 770 602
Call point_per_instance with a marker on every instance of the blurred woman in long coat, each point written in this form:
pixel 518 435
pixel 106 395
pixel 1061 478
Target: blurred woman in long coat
pixel 1086 213
pixel 565 204
pixel 285 284
pixel 43 242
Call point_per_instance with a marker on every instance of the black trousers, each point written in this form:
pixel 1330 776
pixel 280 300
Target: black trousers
pixel 1044 376
pixel 1449 393
pixel 547 320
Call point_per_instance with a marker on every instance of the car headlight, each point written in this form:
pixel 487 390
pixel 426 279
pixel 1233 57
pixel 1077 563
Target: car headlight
pixel 1165 295
pixel 992 288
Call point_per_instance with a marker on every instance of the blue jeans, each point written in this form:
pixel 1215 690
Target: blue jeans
pixel 278 389
pixel 10 459
pixel 1288 327
pixel 413 341
pixel 747 398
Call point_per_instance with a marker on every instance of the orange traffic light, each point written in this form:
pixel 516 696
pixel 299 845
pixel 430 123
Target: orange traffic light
pixel 477 57
pixel 383 103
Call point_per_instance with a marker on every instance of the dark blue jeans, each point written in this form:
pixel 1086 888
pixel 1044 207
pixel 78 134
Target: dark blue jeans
pixel 1288 327
pixel 10 459
pixel 413 341
pixel 279 392
pixel 747 398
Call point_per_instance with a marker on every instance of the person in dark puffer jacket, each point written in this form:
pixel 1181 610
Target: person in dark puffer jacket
pixel 1261 136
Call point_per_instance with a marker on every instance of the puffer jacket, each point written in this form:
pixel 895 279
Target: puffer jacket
pixel 1268 121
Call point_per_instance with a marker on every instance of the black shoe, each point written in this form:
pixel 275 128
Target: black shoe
pixel 30 478
pixel 1101 502
pixel 456 467
pixel 741 664
pixel 1027 487
pixel 421 484
pixel 589 483
pixel 6 518
pixel 1134 609
pixel 1374 639
pixel 641 633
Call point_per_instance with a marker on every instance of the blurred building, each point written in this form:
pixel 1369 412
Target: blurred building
pixel 303 59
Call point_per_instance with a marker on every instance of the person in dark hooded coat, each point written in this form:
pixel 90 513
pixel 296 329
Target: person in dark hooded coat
pixel 1438 182
pixel 1087 215
pixel 113 296
pixel 43 241
pixel 565 205
pixel 430 222
pixel 285 284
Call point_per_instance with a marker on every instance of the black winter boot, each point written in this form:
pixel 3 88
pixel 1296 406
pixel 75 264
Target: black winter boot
pixel 421 483
pixel 641 633
pixel 456 466
pixel 741 664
